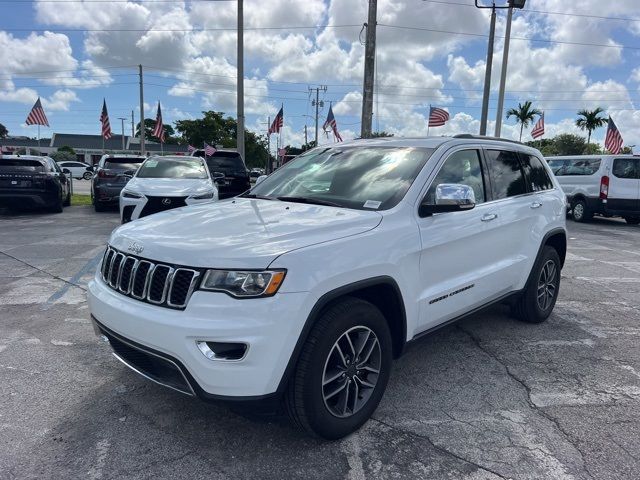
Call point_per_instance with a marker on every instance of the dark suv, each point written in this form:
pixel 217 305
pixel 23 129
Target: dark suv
pixel 231 165
pixel 33 181
pixel 112 174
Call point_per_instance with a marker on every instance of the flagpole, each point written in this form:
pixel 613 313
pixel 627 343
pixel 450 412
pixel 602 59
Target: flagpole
pixel 429 116
pixel 39 138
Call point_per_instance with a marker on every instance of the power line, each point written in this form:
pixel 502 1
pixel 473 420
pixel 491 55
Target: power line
pixel 542 12
pixel 178 30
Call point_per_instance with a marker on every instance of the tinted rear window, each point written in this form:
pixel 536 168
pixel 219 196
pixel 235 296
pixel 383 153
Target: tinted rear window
pixel 536 173
pixel 16 164
pixel 123 163
pixel 626 168
pixel 506 174
pixel 226 164
pixel 575 166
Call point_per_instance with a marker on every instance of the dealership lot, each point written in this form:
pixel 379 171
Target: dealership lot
pixel 486 398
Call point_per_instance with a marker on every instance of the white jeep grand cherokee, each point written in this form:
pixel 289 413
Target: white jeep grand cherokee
pixel 306 287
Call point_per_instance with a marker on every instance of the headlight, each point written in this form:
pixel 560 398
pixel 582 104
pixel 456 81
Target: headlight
pixel 129 194
pixel 204 196
pixel 244 283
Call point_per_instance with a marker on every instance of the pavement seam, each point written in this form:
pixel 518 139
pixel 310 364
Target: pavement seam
pixel 437 447
pixel 476 340
pixel 43 271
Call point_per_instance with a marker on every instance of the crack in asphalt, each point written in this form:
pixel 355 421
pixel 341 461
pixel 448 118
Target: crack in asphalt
pixel 476 340
pixel 71 284
pixel 439 448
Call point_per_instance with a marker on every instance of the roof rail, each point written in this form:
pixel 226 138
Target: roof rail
pixel 485 137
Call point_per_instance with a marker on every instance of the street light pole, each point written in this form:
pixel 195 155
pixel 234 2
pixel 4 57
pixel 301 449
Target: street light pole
pixel 487 71
pixel 503 73
pixel 122 119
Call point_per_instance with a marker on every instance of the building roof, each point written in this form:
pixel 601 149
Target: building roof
pixel 24 142
pixel 90 142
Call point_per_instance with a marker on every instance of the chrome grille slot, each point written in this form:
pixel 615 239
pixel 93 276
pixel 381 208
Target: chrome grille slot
pixel 124 284
pixel 141 279
pixel 114 271
pixel 160 284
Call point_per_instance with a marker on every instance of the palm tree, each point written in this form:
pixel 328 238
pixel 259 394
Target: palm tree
pixel 589 121
pixel 524 115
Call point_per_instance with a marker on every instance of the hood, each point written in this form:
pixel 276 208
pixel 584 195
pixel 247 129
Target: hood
pixel 238 232
pixel 177 187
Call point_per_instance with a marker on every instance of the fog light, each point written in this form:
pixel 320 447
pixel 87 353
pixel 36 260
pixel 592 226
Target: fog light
pixel 222 350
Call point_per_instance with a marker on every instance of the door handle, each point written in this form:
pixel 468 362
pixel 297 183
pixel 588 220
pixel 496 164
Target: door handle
pixel 536 205
pixel 487 217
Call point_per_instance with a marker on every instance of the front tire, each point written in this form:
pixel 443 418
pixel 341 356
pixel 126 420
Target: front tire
pixel 580 212
pixel 87 175
pixel 67 200
pixel 342 371
pixel 537 301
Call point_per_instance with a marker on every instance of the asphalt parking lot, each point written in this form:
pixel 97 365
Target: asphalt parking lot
pixel 486 398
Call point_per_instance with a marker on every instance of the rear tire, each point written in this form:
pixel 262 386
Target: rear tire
pixel 539 297
pixel 580 212
pixel 632 220
pixel 67 200
pixel 87 175
pixel 57 207
pixel 330 393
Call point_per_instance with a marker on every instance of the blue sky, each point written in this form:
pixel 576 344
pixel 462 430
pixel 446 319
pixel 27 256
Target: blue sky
pixel 65 52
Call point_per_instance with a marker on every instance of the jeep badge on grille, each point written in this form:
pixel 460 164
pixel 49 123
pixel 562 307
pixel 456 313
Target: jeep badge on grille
pixel 135 247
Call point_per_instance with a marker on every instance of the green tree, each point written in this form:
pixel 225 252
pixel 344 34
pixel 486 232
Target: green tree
pixel 569 144
pixel 524 113
pixel 66 148
pixel 589 120
pixel 592 149
pixel 216 129
pixel 64 156
pixel 381 134
pixel 3 131
pixel 150 125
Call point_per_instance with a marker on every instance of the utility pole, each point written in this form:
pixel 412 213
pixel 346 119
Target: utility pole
pixel 133 125
pixel 266 170
pixel 369 69
pixel 142 126
pixel 317 103
pixel 240 79
pixel 122 119
pixel 305 135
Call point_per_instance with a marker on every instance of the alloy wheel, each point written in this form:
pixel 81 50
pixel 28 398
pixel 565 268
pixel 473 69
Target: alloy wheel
pixel 351 371
pixel 547 284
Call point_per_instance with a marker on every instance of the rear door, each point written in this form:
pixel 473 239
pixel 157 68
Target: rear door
pixel 624 185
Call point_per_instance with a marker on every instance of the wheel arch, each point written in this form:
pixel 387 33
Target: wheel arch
pixel 382 291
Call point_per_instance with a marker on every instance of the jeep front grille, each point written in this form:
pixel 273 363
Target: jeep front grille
pixel 157 283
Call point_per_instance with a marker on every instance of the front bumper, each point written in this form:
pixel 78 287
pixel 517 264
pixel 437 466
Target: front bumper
pixel 268 326
pixel 107 194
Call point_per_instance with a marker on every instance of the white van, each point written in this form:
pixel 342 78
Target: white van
pixel 607 185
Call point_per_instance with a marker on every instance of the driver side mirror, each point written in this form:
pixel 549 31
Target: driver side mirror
pixel 449 197
pixel 260 179
pixel 66 171
pixel 217 177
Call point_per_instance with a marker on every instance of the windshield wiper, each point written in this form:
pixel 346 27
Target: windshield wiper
pixel 310 200
pixel 253 195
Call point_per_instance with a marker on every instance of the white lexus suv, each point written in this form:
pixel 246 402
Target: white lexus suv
pixel 164 183
pixel 305 288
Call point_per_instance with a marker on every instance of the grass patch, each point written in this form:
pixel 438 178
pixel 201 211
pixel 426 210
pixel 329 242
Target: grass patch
pixel 77 199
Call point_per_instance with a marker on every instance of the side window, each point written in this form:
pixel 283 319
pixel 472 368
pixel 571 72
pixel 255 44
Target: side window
pixel 506 174
pixel 461 167
pixel 626 168
pixel 582 166
pixel 536 173
pixel 557 167
pixel 52 166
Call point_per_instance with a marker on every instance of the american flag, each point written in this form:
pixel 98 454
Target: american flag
pixel 209 150
pixel 191 149
pixel 104 120
pixel 437 117
pixel 37 116
pixel 538 128
pixel 613 141
pixel 331 123
pixel 158 132
pixel 282 152
pixel 278 122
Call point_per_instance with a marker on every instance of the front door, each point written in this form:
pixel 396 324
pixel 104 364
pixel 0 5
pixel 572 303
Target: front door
pixel 460 251
pixel 624 186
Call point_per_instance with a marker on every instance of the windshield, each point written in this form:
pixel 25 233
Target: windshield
pixel 20 165
pixel 226 164
pixel 123 163
pixel 362 178
pixel 166 168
